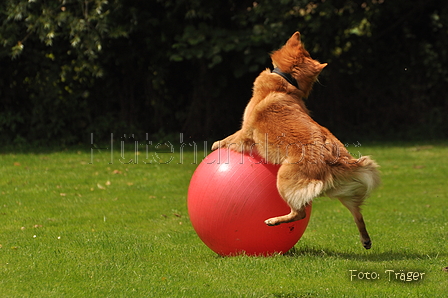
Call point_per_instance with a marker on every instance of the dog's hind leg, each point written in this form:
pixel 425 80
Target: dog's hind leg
pixel 296 191
pixel 354 206
pixel 292 216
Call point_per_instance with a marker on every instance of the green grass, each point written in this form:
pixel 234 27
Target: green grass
pixel 74 229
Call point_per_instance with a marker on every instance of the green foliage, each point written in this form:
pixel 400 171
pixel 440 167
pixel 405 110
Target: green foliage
pixel 54 48
pixel 73 67
pixel 82 24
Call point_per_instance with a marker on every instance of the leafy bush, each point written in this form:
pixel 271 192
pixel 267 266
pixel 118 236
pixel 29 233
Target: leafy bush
pixel 70 68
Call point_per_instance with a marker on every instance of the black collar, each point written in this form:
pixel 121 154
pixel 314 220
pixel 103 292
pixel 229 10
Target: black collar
pixel 287 77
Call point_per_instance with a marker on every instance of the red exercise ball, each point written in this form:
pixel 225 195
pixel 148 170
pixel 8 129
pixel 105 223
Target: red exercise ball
pixel 230 196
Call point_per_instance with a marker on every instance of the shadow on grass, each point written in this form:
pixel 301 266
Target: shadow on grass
pixel 370 255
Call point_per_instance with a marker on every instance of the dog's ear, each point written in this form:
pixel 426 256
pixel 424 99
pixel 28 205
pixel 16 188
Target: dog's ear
pixel 319 66
pixel 322 65
pixel 294 40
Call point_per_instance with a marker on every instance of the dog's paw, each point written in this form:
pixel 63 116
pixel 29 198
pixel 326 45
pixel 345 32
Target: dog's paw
pixel 217 144
pixel 271 222
pixel 367 244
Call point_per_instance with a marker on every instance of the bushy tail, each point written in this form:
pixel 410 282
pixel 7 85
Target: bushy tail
pixel 368 174
pixel 357 183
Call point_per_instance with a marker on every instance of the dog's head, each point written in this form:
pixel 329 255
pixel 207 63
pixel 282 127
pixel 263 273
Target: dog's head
pixel 292 58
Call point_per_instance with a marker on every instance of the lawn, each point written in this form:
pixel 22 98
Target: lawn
pixel 75 224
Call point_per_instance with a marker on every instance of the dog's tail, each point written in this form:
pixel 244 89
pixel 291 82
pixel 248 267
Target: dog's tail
pixel 367 174
pixel 357 183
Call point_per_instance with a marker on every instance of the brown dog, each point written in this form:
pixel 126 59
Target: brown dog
pixel 277 125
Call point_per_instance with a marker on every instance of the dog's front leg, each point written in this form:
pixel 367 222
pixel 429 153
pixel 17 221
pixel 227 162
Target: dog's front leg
pixel 227 142
pixel 237 142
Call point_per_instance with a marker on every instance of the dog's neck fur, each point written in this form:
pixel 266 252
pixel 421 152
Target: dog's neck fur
pixel 288 77
pixel 267 83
